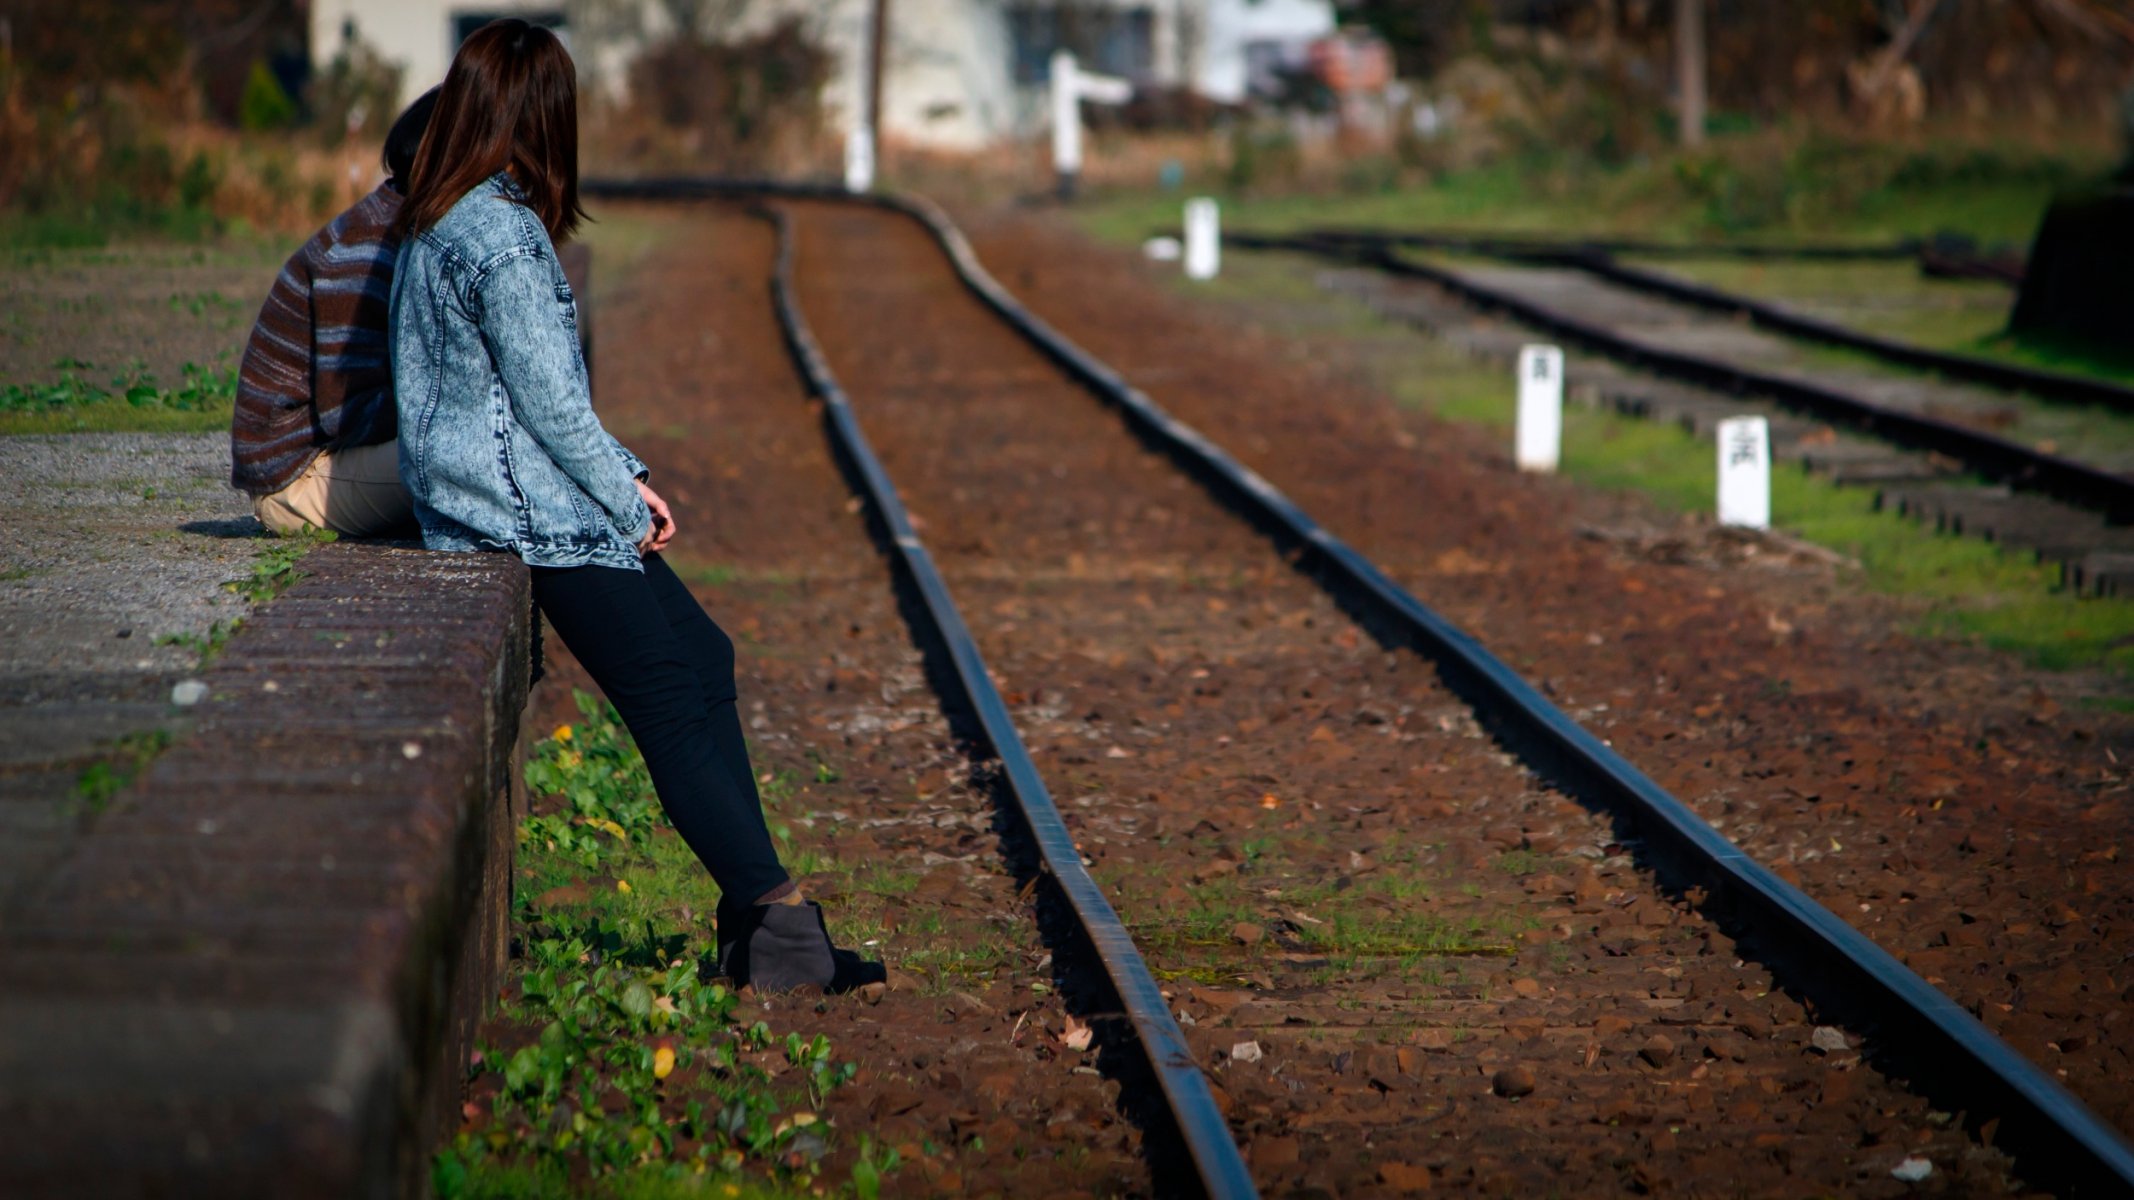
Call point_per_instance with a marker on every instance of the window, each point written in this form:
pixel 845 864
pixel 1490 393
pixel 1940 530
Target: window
pixel 1109 41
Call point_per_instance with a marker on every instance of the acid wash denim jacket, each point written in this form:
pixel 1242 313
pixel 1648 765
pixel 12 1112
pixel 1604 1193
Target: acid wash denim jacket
pixel 499 446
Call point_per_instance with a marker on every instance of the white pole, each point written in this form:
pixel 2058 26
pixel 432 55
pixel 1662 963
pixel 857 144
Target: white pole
pixel 1538 445
pixel 859 160
pixel 1204 239
pixel 1066 121
pixel 1745 472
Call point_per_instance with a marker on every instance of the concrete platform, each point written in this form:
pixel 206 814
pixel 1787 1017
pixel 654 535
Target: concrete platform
pixel 249 974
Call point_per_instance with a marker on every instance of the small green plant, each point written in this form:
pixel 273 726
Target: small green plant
pixel 109 775
pixel 200 389
pixel 274 568
pixel 594 768
pixel 205 646
pixel 621 1069
pixel 824 772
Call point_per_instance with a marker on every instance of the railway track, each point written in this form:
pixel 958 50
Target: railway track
pixel 1134 623
pixel 1601 261
pixel 2053 485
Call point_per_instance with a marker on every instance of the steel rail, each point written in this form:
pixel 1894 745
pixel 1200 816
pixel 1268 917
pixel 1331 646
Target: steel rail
pixel 1946 1051
pixel 1996 457
pixel 1215 1155
pixel 2051 385
pixel 2064 1140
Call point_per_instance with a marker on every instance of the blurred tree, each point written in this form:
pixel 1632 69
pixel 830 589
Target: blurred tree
pixel 265 107
pixel 66 46
pixel 1422 33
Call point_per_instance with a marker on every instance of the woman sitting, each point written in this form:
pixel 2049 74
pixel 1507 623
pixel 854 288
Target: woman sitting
pixel 501 451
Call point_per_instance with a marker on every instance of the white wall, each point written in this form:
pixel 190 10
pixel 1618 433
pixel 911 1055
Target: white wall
pixel 416 34
pixel 1229 24
pixel 950 76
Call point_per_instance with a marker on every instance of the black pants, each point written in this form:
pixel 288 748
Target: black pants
pixel 669 670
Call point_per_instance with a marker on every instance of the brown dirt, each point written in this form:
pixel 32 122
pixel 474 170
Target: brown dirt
pixel 162 306
pixel 1403 958
pixel 967 1046
pixel 1934 795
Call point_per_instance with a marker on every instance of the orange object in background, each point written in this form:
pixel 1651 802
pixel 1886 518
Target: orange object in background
pixel 1352 61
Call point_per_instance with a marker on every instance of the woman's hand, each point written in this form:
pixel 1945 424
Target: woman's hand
pixel 661 531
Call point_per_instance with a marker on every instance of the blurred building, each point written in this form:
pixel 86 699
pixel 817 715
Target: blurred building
pixel 960 74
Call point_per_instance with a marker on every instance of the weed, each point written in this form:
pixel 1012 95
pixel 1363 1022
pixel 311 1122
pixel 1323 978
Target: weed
pixel 109 775
pixel 623 1065
pixel 273 571
pixel 274 568
pixel 205 646
pixel 824 772
pixel 1519 862
pixel 1955 587
pixel 199 388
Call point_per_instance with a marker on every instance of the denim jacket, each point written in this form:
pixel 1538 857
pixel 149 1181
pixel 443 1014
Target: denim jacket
pixel 499 446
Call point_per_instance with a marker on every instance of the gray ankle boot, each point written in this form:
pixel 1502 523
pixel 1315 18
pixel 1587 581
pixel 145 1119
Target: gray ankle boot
pixel 789 947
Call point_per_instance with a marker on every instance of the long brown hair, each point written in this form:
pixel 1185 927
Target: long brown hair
pixel 510 100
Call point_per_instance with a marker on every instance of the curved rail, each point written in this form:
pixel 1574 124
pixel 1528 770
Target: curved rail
pixel 1207 1136
pixel 2059 1141
pixel 1999 458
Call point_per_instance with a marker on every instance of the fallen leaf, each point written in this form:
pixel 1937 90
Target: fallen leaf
pixel 1078 1034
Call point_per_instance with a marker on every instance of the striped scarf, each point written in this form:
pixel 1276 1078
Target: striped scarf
pixel 315 376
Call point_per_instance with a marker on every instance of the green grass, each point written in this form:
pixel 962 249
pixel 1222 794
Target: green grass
pixel 131 401
pixel 115 416
pixel 1958 587
pixel 1761 189
pixel 549 1181
pixel 1369 928
pixel 1894 300
pixel 122 760
pixel 620 1071
pixel 1966 588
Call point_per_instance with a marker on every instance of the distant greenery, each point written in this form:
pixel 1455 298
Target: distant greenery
pixel 129 400
pixel 1772 185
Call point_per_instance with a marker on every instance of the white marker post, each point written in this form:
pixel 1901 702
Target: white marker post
pixel 859 160
pixel 1745 472
pixel 1066 122
pixel 1204 239
pixel 1070 86
pixel 1539 442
